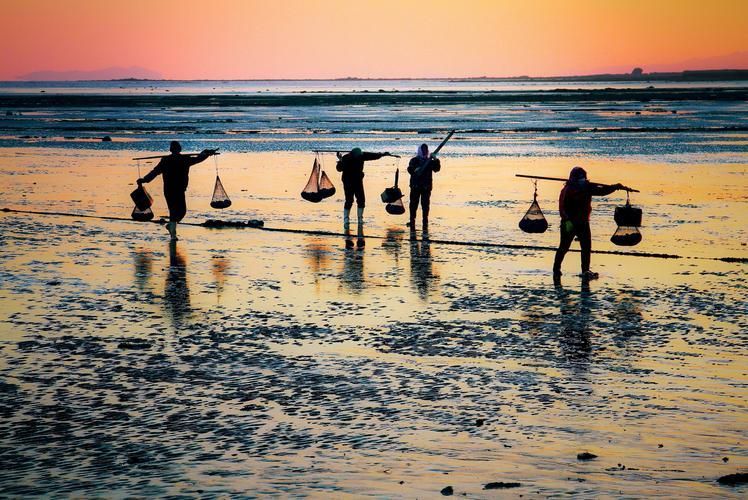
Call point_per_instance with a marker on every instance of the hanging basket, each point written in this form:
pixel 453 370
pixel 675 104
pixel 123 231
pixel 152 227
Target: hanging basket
pixel 628 215
pixel 141 198
pixel 392 194
pixel 311 190
pixel 534 220
pixel 626 236
pixel 395 208
pixel 326 189
pixel 220 198
pixel 142 215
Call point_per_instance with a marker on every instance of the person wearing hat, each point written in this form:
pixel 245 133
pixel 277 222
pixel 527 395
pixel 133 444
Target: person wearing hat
pixel 575 206
pixel 352 166
pixel 175 169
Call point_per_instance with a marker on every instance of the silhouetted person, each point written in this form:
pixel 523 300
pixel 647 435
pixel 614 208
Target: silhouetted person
pixel 575 206
pixel 176 171
pixel 421 168
pixel 352 166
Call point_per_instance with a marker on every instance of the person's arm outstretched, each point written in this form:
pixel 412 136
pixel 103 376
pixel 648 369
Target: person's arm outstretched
pixel 604 190
pixel 373 156
pixel 204 155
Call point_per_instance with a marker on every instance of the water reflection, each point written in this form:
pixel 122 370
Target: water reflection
pixel 220 269
pixel 352 277
pixel 143 260
pixel 176 289
pixel 317 256
pixel 629 322
pixel 392 242
pixel 575 337
pixel 422 275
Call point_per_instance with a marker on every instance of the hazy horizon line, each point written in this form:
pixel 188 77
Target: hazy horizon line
pixel 642 76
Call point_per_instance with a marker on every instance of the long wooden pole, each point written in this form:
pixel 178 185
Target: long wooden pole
pixel 440 146
pixel 164 156
pixel 342 151
pixel 564 180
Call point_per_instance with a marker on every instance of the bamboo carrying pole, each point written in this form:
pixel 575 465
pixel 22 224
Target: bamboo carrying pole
pixel 344 151
pixel 165 156
pixel 419 170
pixel 625 188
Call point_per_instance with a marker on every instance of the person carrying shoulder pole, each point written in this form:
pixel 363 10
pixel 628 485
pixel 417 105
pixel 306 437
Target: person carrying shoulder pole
pixel 575 206
pixel 175 169
pixel 421 168
pixel 352 166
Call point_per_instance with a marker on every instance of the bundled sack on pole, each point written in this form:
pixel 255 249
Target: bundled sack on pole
pixel 629 220
pixel 220 198
pixel 395 208
pixel 392 194
pixel 142 215
pixel 318 187
pixel 142 199
pixel 626 236
pixel 534 220
pixel 326 189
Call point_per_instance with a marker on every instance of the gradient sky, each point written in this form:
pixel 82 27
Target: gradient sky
pixel 233 39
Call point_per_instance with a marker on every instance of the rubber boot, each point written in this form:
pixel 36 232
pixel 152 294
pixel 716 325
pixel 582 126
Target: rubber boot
pixel 360 214
pixel 347 227
pixel 360 242
pixel 172 228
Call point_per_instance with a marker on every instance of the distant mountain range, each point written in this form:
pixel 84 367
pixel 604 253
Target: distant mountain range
pixel 113 73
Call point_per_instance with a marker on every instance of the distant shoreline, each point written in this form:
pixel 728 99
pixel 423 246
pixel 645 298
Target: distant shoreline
pixel 680 76
pixel 366 97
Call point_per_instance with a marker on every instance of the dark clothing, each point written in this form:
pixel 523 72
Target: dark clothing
pixel 421 171
pixel 582 231
pixel 575 205
pixel 353 177
pixel 177 205
pixel 353 166
pixel 421 181
pixel 424 195
pixel 175 170
pixel 575 200
pixel 356 189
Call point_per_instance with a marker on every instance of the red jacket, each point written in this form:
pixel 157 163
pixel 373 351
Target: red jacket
pixel 575 200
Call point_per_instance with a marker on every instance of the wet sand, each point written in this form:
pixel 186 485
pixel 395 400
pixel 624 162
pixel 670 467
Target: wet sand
pixel 245 362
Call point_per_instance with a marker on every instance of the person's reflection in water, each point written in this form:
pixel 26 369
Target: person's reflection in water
pixel 353 271
pixel 574 337
pixel 422 274
pixel 220 269
pixel 317 254
pixel 143 265
pixel 176 290
pixel 392 242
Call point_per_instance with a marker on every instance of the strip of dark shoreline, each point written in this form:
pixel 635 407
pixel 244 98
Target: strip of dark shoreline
pixel 372 98
pixel 218 224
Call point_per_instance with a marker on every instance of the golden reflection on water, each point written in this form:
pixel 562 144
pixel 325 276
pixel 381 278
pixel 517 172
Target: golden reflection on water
pixel 176 287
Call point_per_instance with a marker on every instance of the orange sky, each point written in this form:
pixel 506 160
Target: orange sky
pixel 222 39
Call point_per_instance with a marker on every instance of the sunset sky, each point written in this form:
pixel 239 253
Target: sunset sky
pixel 250 39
